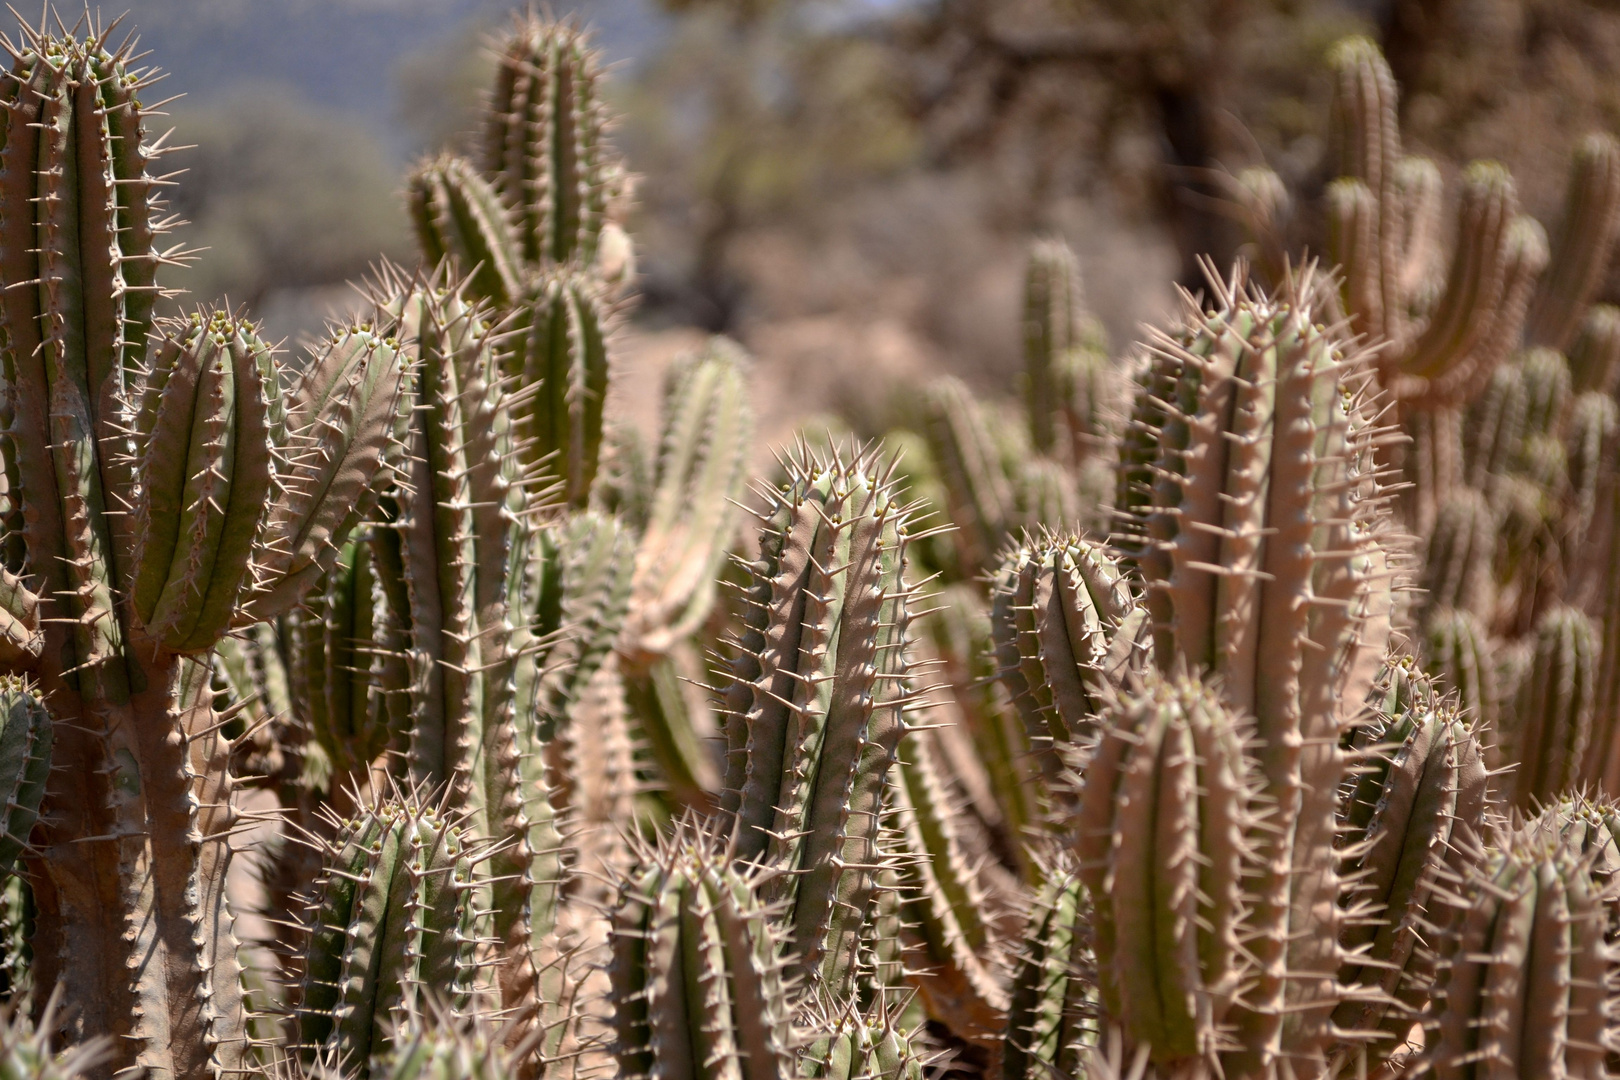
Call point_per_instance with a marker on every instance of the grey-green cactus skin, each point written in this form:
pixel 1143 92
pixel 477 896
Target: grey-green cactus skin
pixel 979 495
pixel 1457 653
pixel 459 217
pixel 1555 738
pixel 556 349
pixel 1457 571
pixel 1053 1012
pixel 27 1050
pixel 393 915
pixel 1263 540
pixel 1068 380
pixel 1583 245
pixel 815 710
pixel 1594 354
pixel 544 144
pixel 1523 989
pixel 1414 820
pixel 856 1045
pixel 1171 775
pixel 944 906
pixel 698 981
pixel 1067 631
pixel 432 1044
pixel 127 499
pixel 26 734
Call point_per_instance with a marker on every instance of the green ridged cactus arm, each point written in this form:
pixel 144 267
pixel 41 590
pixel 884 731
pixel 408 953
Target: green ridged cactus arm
pixel 1594 355
pixel 545 144
pixel 708 431
pixel 816 712
pixel 698 983
pixel 1608 684
pixel 944 903
pixel 342 420
pixel 1457 652
pixel 1268 566
pixel 394 913
pixel 1413 820
pixel 1496 429
pixel 1557 738
pixel 25 763
pixel 957 626
pixel 20 640
pixel 853 1046
pixel 1525 969
pixel 1547 392
pixel 1594 420
pixel 436 1045
pixel 345 713
pixel 979 496
pixel 458 216
pixel 1052 313
pixel 1066 629
pixel 458 548
pixel 1585 240
pixel 1053 1011
pixel 1477 279
pixel 557 351
pixel 1462 548
pixel 205 474
pixel 1352 216
pixel 27 1051
pixel 1365 144
pixel 1168 803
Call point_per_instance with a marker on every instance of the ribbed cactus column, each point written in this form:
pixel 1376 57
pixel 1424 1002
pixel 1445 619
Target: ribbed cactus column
pixel 157 496
pixel 1164 835
pixel 814 714
pixel 697 974
pixel 1261 528
pixel 458 216
pixel 1525 969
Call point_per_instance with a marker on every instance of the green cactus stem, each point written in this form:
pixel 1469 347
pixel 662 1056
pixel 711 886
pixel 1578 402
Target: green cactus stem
pixel 25 764
pixel 1457 653
pixel 1462 552
pixel 708 429
pixel 393 914
pixel 1556 738
pixel 1524 974
pixel 944 905
pixel 979 496
pixel 1414 819
pixel 815 710
pixel 1594 355
pixel 435 1045
pixel 1066 631
pixel 698 985
pixel 545 145
pixel 1167 807
pixel 1264 547
pixel 458 216
pixel 27 1050
pixel 557 351
pixel 1585 240
pixel 1053 1011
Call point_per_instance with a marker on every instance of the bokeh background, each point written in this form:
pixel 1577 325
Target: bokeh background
pixel 849 186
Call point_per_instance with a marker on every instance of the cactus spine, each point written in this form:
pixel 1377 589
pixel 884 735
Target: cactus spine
pixel 1052 1014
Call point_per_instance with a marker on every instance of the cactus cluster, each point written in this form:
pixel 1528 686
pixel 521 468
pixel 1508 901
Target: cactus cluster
pixel 1153 734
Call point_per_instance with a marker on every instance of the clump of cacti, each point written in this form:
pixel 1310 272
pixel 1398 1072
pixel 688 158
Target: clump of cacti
pixel 1151 767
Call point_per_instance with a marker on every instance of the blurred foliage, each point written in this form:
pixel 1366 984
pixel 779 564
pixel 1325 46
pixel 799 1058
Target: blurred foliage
pixel 281 196
pixel 440 89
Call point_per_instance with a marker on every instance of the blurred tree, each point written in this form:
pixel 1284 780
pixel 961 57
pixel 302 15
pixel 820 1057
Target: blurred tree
pixel 281 196
pixel 440 89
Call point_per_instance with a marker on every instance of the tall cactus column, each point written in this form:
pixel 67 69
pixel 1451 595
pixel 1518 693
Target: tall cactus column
pixel 1260 524
pixel 143 530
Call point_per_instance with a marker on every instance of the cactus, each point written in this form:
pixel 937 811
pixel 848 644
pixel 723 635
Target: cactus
pixel 697 977
pixel 1167 806
pixel 163 500
pixel 25 764
pixel 393 914
pixel 458 216
pixel 1496 429
pixel 1066 631
pixel 1499 1011
pixel 1414 820
pixel 432 1044
pixel 1580 253
pixel 557 351
pixel 944 903
pixel 979 497
pixel 26 1050
pixel 544 146
pixel 1265 552
pixel 1053 1010
pixel 854 1046
pixel 1593 422
pixel 1557 737
pixel 1462 551
pixel 814 712
pixel 1457 653
pixel 1594 355
pixel 1067 376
